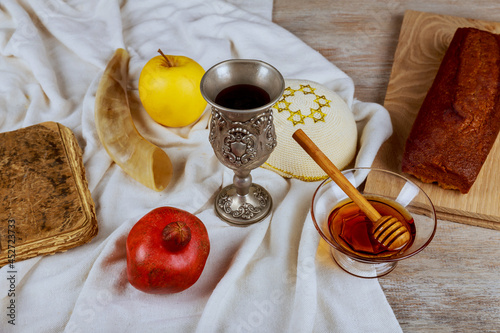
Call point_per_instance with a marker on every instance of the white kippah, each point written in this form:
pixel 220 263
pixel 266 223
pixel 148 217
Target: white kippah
pixel 324 117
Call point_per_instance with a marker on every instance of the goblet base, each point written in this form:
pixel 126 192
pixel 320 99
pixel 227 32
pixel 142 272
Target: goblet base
pixel 362 269
pixel 246 209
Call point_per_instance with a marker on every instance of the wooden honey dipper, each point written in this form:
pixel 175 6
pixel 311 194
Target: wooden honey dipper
pixel 387 230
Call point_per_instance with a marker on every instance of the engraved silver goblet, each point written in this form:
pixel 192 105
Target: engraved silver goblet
pixel 242 139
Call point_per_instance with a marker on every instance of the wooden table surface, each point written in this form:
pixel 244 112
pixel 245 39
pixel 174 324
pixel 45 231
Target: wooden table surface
pixel 454 284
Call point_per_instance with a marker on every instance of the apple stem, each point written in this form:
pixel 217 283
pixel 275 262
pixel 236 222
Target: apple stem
pixel 169 63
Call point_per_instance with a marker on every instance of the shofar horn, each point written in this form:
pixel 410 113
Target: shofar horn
pixel 139 158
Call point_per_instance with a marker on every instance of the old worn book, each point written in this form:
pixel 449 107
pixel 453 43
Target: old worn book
pixel 45 203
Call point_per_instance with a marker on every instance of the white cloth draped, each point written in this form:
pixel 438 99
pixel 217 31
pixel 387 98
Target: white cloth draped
pixel 273 276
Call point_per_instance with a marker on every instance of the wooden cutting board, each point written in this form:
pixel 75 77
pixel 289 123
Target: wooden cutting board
pixel 45 204
pixel 423 41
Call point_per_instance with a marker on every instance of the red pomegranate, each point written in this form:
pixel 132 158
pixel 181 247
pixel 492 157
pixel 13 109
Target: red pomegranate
pixel 166 251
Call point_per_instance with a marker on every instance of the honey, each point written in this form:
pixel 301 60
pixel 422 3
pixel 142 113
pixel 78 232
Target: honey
pixel 352 229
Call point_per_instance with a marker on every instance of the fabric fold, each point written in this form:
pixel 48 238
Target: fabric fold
pixel 276 275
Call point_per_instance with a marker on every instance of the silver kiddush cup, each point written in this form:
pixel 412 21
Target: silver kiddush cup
pixel 242 138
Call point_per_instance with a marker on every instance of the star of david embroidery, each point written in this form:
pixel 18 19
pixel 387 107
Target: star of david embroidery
pixel 299 117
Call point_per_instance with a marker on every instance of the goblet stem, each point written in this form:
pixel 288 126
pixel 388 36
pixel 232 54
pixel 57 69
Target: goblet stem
pixel 242 181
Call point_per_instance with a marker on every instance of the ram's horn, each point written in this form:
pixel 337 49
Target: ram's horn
pixel 139 158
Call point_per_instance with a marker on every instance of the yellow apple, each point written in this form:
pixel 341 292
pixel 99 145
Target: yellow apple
pixel 169 89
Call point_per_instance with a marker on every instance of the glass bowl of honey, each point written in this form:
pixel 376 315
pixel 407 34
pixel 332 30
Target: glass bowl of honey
pixel 349 232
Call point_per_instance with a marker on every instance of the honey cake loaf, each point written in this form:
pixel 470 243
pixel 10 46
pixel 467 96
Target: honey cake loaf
pixel 459 119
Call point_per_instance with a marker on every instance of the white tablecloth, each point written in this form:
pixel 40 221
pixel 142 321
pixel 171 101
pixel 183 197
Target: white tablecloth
pixel 273 276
